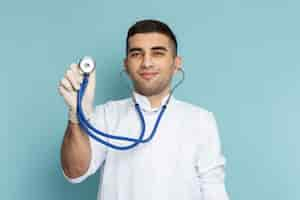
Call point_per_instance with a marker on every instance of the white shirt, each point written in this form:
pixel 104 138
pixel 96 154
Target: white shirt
pixel 182 162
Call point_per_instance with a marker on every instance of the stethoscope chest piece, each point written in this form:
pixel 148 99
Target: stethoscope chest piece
pixel 87 65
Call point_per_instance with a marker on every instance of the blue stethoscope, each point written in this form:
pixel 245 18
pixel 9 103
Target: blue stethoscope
pixel 87 65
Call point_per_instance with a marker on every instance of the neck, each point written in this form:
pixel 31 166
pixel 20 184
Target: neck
pixel 156 100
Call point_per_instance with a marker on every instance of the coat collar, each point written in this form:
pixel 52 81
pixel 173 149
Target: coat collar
pixel 145 104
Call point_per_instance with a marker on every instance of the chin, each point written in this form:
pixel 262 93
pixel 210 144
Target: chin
pixel 151 88
pixel 146 91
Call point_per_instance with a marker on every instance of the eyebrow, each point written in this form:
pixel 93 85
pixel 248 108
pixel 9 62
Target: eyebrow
pixel 159 48
pixel 153 48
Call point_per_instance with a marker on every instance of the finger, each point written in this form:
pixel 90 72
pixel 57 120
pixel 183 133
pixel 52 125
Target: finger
pixel 69 98
pixel 62 90
pixel 92 75
pixel 71 77
pixel 77 72
pixel 77 68
pixel 66 84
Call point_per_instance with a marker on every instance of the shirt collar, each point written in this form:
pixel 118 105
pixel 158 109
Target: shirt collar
pixel 145 104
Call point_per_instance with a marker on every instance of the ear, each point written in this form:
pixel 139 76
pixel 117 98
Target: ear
pixel 125 65
pixel 177 64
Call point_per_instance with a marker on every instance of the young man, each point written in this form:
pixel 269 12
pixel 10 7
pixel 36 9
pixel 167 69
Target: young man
pixel 183 161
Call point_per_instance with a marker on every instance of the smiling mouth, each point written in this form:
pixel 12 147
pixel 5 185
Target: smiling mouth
pixel 148 75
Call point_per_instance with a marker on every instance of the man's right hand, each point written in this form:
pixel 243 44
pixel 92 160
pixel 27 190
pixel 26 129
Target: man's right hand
pixel 69 86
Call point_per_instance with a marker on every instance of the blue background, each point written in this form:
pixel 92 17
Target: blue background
pixel 241 60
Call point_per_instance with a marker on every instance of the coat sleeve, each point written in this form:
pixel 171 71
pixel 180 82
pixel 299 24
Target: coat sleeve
pixel 211 163
pixel 98 150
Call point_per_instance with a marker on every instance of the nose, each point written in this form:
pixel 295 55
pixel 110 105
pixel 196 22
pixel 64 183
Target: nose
pixel 147 61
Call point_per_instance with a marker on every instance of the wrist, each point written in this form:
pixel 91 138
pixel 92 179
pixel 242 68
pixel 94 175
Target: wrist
pixel 72 114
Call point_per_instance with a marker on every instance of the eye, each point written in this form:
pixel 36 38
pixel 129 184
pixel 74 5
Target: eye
pixel 159 53
pixel 134 54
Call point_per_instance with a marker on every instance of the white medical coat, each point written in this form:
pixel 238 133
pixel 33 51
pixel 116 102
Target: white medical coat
pixel 183 161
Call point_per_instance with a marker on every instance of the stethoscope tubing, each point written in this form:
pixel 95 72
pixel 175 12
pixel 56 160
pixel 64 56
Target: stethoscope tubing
pixel 86 125
pixel 87 65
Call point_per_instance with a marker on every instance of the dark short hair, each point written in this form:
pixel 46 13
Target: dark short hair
pixel 151 26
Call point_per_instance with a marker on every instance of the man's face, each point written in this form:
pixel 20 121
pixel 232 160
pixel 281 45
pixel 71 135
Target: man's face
pixel 151 63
